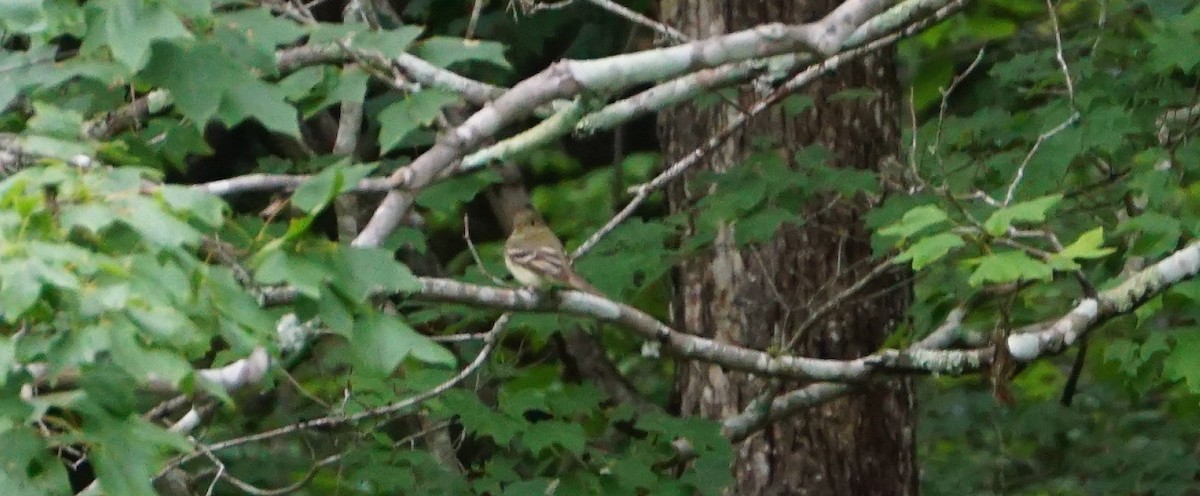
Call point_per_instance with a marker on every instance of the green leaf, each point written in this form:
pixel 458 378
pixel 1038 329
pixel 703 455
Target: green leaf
pixel 634 473
pixel 1008 266
pixel 381 342
pixel 100 298
pixel 429 351
pixel 22 16
pixel 54 275
pixel 796 104
pixel 258 33
pixel 542 435
pixel 197 77
pixel 131 353
pixel 360 271
pixel 444 51
pixel 174 141
pixel 123 452
pixel 930 249
pixel 203 206
pixel 1156 233
pixel 351 86
pixel 1172 45
pixel 316 193
pixel 1088 246
pixel 19 289
pixel 49 147
pixel 711 474
pixel 478 417
pixel 761 226
pixel 334 312
pixel 157 227
pixel 7 356
pixel 1028 211
pixel 160 323
pixel 235 303
pixel 352 174
pixel 1181 363
pixel 409 114
pixel 51 120
pixel 914 221
pixel 22 69
pixel 276 266
pixel 164 282
pixel 450 194
pixel 28 466
pixel 531 396
pixel 394 40
pixel 90 216
pixel 298 84
pixel 528 487
pixel 985 27
pixel 324 32
pixel 263 102
pixel 576 399
pixel 130 26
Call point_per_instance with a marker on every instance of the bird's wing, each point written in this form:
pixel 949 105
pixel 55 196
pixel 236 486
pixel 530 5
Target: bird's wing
pixel 544 260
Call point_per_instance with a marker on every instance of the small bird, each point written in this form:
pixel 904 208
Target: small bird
pixel 535 256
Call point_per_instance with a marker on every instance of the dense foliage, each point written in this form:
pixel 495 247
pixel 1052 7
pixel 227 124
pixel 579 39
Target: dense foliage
pixel 1049 155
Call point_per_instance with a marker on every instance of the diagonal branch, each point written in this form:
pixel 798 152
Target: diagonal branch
pixel 642 192
pixel 569 78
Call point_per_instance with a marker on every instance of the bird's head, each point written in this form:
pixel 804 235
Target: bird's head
pixel 526 217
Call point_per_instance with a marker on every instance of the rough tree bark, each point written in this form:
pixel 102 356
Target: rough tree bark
pixel 757 296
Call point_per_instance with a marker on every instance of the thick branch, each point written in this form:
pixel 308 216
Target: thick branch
pixel 568 78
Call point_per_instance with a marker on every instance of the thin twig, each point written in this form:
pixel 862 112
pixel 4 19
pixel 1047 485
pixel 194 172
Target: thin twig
pixel 532 6
pixel 475 11
pixel 914 169
pixel 837 300
pixel 222 473
pixel 410 440
pixel 489 345
pixel 1062 62
pixel 643 191
pixel 458 338
pixel 1101 23
pixel 1012 187
pixel 303 390
pixel 1058 53
pixel 937 135
pixel 475 253
pixel 164 407
pixel 669 32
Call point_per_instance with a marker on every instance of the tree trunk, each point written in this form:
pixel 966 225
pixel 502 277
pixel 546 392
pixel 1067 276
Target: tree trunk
pixel 758 295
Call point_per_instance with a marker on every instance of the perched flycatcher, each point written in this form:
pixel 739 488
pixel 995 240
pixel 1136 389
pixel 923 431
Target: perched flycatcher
pixel 536 258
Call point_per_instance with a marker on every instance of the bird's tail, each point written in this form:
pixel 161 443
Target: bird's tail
pixel 576 281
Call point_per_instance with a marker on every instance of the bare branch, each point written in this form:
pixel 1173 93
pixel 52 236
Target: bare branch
pixel 257 183
pixel 1058 53
pixel 568 78
pixel 643 191
pixel 1012 187
pixel 112 123
pixel 489 344
pixel 666 31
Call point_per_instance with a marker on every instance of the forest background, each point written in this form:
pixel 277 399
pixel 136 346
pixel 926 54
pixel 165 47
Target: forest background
pixel 845 247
